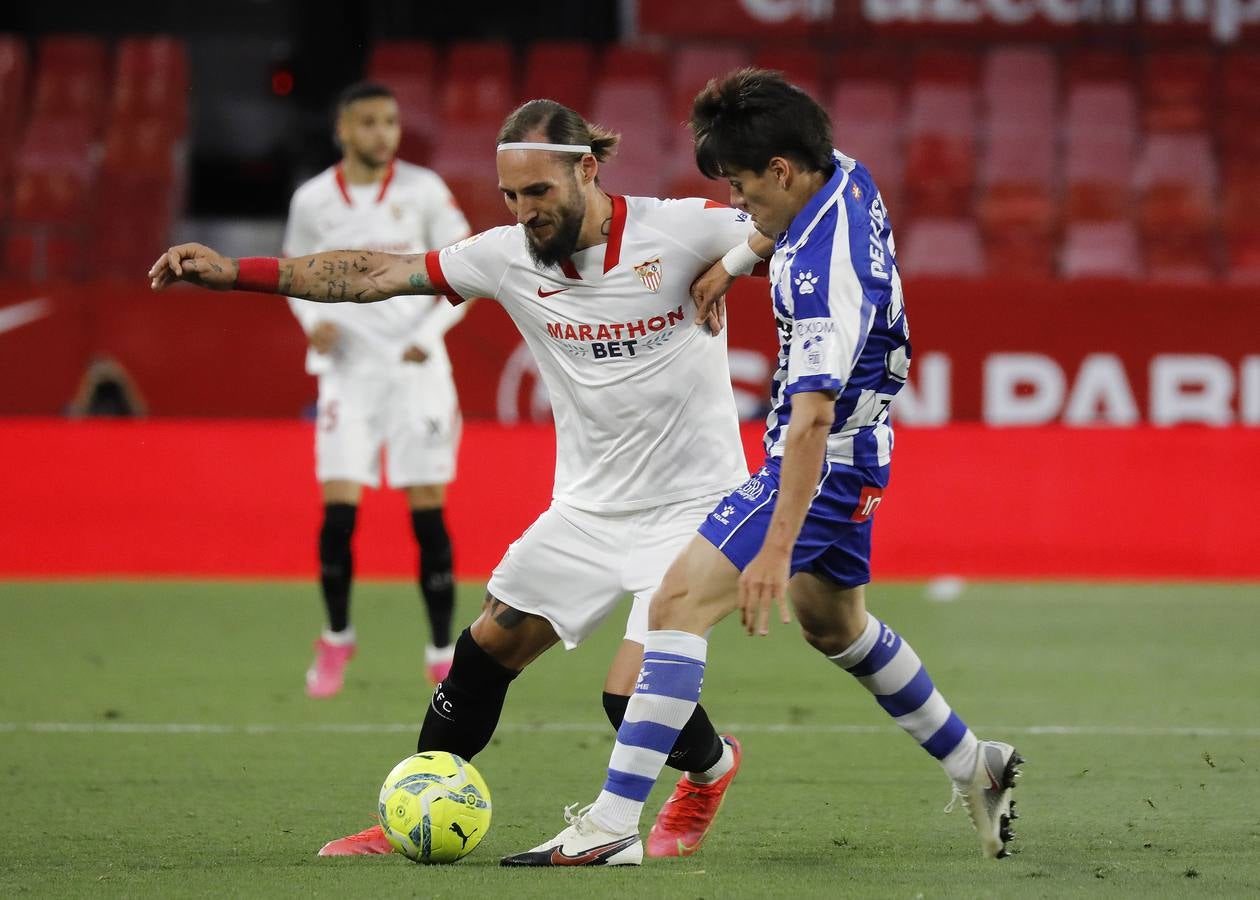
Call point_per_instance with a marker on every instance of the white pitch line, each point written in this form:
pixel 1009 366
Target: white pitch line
pixel 591 728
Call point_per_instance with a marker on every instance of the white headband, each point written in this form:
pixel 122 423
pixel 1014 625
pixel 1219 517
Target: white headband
pixel 538 145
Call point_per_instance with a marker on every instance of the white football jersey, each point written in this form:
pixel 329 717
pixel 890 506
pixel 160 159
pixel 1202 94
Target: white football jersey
pixel 410 211
pixel 641 395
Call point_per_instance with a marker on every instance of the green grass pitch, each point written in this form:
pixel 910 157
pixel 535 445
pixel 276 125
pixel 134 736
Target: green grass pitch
pixel 1138 708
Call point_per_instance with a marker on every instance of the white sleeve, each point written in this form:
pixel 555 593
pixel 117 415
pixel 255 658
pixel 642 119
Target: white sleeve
pixel 301 238
pixel 474 266
pixel 711 228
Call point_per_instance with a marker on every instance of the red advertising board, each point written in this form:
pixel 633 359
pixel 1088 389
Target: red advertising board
pixel 1220 21
pixel 1072 353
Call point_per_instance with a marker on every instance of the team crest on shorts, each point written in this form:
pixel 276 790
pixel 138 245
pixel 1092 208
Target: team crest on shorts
pixel 650 274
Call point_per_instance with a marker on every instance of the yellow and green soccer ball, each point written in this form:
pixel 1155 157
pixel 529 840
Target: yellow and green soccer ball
pixel 434 807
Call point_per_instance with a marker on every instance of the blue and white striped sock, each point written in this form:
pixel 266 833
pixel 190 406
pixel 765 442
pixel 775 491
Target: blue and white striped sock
pixel 663 701
pixel 889 668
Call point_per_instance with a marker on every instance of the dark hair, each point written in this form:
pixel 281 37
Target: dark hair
pixel 361 90
pixel 743 120
pixel 557 124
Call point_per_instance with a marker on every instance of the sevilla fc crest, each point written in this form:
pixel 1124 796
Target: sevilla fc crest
pixel 650 274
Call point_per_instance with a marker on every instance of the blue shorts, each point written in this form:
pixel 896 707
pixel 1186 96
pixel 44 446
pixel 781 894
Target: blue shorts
pixel 835 541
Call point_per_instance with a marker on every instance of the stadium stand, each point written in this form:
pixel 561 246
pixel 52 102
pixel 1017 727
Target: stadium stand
pixel 1028 160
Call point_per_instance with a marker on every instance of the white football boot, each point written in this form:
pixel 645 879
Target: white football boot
pixel 583 843
pixel 987 798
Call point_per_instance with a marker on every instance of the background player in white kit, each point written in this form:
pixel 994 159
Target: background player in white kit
pixel 384 376
pixel 646 429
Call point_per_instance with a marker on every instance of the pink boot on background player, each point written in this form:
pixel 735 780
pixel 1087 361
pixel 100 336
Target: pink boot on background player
pixel 327 674
pixel 437 661
pixel 685 818
pixel 368 842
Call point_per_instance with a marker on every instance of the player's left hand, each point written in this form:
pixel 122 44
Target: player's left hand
pixel 709 293
pixel 415 354
pixel 764 583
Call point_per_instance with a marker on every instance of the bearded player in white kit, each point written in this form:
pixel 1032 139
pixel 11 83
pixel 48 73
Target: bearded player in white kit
pixel 646 427
pixel 384 376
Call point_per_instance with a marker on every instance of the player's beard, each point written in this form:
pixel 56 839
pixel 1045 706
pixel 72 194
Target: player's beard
pixel 566 227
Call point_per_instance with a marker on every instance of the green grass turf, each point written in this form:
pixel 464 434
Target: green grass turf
pixel 847 813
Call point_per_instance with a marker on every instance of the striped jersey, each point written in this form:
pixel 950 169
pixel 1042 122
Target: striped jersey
pixel 841 320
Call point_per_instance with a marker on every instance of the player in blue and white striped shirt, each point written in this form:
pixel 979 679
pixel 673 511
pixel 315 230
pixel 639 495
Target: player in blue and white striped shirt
pixel 802 524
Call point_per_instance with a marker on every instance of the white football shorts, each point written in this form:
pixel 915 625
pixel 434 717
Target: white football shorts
pixel 572 566
pixel 410 411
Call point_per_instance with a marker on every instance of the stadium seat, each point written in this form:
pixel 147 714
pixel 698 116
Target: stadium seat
pixel 14 66
pixel 693 66
pixel 411 59
pixel 1101 136
pixel 802 64
pixel 480 84
pixel 464 157
pixel 951 67
pixel 866 123
pixel 940 150
pixel 1238 115
pixel 151 81
pixel 1101 250
pixel 1097 66
pixel 943 247
pixel 1177 88
pixel 562 71
pixel 1020 94
pixel 627 63
pixel 633 108
pixel 57 145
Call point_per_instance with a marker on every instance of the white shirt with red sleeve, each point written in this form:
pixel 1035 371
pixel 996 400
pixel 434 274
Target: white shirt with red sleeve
pixel 641 396
pixel 410 211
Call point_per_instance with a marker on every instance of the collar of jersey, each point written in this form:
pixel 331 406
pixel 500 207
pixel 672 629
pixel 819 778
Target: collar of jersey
pixel 340 177
pixel 612 248
pixel 804 220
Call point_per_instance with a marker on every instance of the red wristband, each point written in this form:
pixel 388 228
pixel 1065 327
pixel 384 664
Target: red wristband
pixel 258 273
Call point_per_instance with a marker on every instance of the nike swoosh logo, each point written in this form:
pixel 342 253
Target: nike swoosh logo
pixel 595 854
pixel 19 314
pixel 542 293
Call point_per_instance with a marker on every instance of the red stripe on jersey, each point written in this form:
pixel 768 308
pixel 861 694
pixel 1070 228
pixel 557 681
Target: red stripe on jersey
pixel 389 176
pixel 713 204
pixel 433 265
pixel 612 255
pixel 570 270
pixel 340 177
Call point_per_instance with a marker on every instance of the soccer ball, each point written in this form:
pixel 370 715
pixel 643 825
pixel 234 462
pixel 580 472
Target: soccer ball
pixel 434 807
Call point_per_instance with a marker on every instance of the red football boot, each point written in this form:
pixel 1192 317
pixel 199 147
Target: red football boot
pixel 689 812
pixel 368 842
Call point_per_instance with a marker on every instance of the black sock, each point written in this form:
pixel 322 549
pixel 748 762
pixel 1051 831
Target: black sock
pixel 698 747
pixel 336 564
pixel 465 707
pixel 437 580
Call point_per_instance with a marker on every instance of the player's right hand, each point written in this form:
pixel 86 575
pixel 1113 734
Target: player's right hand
pixel 196 264
pixel 323 337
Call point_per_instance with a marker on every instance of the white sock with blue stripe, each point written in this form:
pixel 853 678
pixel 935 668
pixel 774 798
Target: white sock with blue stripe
pixel 663 701
pixel 889 668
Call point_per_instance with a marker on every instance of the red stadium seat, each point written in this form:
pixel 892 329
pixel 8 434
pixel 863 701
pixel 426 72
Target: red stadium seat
pixel 151 81
pixel 480 84
pixel 694 66
pixel 868 65
pixel 622 63
pixel 1020 94
pixel 940 151
pixel 58 145
pixel 1101 250
pixel 633 108
pixel 1094 66
pixel 943 247
pixel 1177 89
pixel 411 59
pixel 802 64
pixel 1019 219
pixel 1238 118
pixel 953 67
pixel 562 71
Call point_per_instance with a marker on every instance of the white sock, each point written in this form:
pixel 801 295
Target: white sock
pixel 725 763
pixel 338 638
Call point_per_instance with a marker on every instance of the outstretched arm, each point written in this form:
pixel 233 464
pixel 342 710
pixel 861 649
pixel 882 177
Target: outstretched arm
pixel 338 276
